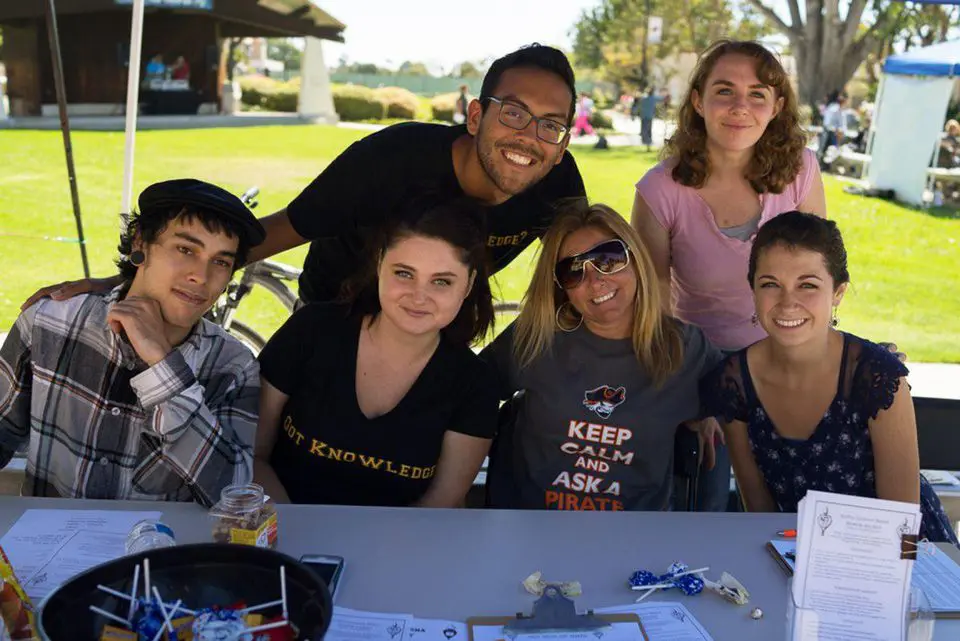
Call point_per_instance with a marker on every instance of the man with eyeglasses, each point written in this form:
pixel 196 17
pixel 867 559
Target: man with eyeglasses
pixel 510 155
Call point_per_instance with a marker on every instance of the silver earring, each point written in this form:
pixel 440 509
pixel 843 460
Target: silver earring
pixel 755 319
pixel 560 325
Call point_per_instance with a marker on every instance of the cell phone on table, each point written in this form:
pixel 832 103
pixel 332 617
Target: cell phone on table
pixel 327 567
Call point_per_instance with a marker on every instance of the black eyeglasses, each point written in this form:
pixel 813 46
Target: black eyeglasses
pixel 516 117
pixel 609 257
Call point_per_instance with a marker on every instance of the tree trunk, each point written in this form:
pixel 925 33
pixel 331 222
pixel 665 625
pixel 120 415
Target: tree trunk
pixel 827 47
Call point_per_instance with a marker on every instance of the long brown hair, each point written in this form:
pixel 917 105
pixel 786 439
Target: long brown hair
pixel 777 156
pixel 656 337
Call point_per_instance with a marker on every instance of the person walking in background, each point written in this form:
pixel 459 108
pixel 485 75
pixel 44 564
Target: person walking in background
pixel 834 125
pixel 648 111
pixel 460 110
pixel 584 111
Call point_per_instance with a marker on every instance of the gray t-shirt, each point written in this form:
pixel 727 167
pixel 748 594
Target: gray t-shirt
pixel 592 430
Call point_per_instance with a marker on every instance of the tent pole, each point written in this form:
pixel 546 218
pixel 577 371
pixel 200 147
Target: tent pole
pixel 133 91
pixel 54 38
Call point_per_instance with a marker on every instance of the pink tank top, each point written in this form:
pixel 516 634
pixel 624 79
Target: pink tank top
pixel 708 268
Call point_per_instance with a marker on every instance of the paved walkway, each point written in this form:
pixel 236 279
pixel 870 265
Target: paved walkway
pixel 144 123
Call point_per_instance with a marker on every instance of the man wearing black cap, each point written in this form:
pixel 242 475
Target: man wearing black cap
pixel 131 394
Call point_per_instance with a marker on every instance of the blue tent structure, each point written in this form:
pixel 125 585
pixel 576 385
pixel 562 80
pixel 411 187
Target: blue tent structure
pixel 936 60
pixel 915 89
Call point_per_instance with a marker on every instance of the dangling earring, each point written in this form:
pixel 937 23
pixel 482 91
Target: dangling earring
pixel 560 325
pixel 755 319
pixel 137 257
pixel 834 321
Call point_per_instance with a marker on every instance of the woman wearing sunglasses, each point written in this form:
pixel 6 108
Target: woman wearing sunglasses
pixel 606 376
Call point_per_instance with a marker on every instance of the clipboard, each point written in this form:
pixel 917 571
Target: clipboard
pixel 552 613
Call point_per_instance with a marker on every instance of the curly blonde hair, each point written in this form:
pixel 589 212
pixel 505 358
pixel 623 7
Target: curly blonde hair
pixel 777 156
pixel 657 339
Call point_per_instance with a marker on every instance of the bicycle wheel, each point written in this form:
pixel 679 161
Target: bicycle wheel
pixel 279 289
pixel 248 336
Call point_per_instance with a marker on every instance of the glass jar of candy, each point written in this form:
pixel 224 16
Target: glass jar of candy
pixel 243 515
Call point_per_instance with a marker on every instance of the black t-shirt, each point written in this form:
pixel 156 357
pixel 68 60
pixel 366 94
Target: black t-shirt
pixel 361 188
pixel 327 451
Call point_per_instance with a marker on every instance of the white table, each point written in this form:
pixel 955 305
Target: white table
pixel 458 563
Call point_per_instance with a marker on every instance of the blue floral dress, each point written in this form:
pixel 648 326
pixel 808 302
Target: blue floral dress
pixel 838 456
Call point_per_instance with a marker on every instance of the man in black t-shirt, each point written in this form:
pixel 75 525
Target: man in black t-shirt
pixel 510 155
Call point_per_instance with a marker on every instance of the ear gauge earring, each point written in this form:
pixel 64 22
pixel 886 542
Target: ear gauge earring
pixel 136 258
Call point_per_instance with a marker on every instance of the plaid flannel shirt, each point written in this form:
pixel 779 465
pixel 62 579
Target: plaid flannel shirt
pixel 103 425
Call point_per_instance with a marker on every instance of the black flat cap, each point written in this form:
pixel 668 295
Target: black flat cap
pixel 196 194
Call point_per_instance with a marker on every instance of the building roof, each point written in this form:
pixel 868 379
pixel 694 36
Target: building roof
pixel 267 18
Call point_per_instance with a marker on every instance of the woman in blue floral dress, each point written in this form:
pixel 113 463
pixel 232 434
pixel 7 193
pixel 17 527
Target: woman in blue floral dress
pixel 809 407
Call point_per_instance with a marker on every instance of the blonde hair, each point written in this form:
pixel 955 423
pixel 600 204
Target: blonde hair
pixel 952 127
pixel 657 341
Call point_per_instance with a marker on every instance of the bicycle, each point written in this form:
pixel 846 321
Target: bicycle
pixel 270 275
pixel 274 277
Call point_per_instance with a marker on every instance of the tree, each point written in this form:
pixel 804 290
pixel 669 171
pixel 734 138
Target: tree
pixel 610 36
pixel 829 45
pixel 409 68
pixel 283 50
pixel 466 69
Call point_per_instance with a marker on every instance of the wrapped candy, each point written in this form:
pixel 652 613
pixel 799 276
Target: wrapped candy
pixel 15 606
pixel 535 585
pixel 689 582
pixel 730 589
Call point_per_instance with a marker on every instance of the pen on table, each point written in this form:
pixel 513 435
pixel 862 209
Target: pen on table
pixel 787 534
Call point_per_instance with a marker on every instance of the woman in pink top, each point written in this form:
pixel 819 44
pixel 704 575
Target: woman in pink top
pixel 737 159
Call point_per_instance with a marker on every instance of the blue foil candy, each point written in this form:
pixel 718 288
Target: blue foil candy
pixel 690 584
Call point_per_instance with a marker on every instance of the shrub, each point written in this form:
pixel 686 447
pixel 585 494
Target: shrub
pixel 600 120
pixel 354 102
pixel 268 94
pixel 284 97
pixel 254 88
pixel 398 102
pixel 443 106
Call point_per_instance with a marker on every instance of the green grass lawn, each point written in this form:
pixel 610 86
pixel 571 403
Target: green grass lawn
pixel 905 263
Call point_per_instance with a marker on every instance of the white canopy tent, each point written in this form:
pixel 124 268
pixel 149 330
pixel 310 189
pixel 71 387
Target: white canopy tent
pixel 316 100
pixel 914 93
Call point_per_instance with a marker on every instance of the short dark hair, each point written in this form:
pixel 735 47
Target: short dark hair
pixel 536 56
pixel 796 229
pixel 148 225
pixel 459 221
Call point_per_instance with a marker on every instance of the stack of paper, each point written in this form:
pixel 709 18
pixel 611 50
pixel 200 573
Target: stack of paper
pixel 850 580
pixel 359 625
pixel 664 620
pixel 939 577
pixel 49 547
